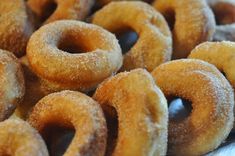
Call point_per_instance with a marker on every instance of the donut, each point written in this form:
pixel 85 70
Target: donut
pixel 52 10
pixel 12 84
pixel 34 91
pixel 212 100
pixel 192 22
pixel 142 113
pixel 17 137
pixel 224 11
pixel 154 44
pixel 72 110
pixel 53 54
pixel 220 54
pixel 15 26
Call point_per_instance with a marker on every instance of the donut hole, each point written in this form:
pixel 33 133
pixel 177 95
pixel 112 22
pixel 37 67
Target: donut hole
pixel 179 108
pixel 170 18
pixel 112 125
pixel 57 139
pixel 70 44
pixel 127 39
pixel 48 9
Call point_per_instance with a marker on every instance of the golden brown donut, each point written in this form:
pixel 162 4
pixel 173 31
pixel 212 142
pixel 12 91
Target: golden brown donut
pixel 224 11
pixel 211 118
pixel 220 54
pixel 12 84
pixel 51 10
pixel 142 113
pixel 53 54
pixel 18 138
pixel 154 44
pixel 34 90
pixel 192 23
pixel 15 26
pixel 73 110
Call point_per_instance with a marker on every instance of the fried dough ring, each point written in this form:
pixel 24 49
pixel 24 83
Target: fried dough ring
pixel 192 23
pixel 49 59
pixel 15 26
pixel 12 84
pixel 224 11
pixel 34 91
pixel 64 9
pixel 72 109
pixel 18 138
pixel 154 45
pixel 212 98
pixel 220 54
pixel 142 113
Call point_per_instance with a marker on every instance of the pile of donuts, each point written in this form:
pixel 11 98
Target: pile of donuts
pixel 68 87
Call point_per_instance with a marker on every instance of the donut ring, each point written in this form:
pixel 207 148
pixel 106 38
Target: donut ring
pixel 34 91
pixel 63 9
pixel 224 11
pixel 15 26
pixel 17 137
pixel 72 109
pixel 142 112
pixel 154 45
pixel 212 98
pixel 12 84
pixel 62 70
pixel 194 23
pixel 220 54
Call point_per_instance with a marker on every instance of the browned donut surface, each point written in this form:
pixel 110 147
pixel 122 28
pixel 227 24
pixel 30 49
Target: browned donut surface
pixel 212 100
pixel 11 84
pixel 18 138
pixel 51 10
pixel 192 23
pixel 15 26
pixel 74 55
pixel 72 110
pixel 154 43
pixel 141 110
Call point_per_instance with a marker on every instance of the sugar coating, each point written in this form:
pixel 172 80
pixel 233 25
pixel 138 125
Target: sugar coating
pixel 77 111
pixel 154 44
pixel 194 23
pixel 211 119
pixel 17 137
pixel 12 84
pixel 15 26
pixel 63 70
pixel 65 9
pixel 141 109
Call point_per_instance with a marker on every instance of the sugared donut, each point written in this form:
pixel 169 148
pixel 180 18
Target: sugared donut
pixel 34 90
pixel 192 23
pixel 154 44
pixel 51 10
pixel 72 110
pixel 53 54
pixel 18 138
pixel 220 54
pixel 11 84
pixel 15 26
pixel 224 11
pixel 142 113
pixel 211 95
